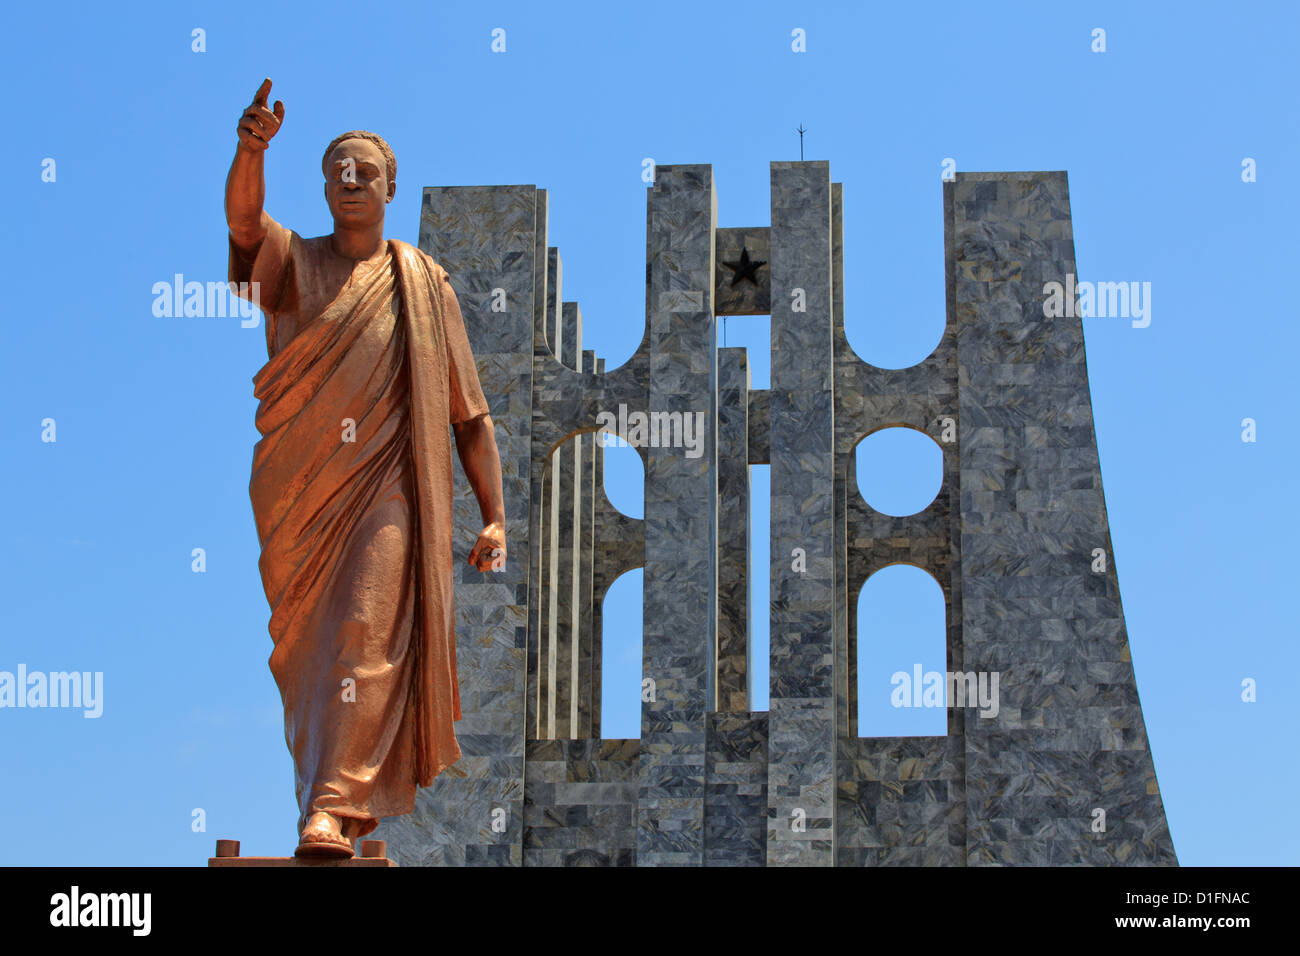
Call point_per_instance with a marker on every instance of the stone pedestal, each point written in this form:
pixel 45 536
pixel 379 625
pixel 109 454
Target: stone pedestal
pixel 373 853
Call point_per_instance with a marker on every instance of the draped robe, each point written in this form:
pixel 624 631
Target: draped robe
pixel 355 524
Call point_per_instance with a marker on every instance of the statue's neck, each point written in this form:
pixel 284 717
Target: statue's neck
pixel 351 244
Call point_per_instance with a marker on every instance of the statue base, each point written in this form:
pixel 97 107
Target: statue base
pixel 372 854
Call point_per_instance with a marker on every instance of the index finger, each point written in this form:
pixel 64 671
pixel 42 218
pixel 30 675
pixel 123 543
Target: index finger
pixel 263 92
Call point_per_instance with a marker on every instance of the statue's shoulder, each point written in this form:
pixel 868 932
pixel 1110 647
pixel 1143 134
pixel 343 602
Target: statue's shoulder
pixel 415 254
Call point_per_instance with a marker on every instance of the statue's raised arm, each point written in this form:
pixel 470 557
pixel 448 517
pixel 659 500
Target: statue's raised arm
pixel 246 185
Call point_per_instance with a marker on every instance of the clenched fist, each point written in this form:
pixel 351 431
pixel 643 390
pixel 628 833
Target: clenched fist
pixel 489 552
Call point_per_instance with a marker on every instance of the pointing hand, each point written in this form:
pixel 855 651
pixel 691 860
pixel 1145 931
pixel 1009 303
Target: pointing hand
pixel 259 124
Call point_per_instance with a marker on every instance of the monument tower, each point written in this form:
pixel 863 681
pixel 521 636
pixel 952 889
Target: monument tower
pixel 1012 538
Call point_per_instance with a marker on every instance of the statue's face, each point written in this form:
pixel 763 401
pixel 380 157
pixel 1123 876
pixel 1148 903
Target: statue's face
pixel 356 184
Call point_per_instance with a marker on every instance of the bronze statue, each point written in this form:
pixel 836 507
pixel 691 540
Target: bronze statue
pixel 368 365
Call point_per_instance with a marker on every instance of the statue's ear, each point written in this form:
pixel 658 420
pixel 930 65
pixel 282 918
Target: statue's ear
pixel 392 189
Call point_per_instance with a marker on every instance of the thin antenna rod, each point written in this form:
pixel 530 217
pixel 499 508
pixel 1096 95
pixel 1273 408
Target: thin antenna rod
pixel 801 131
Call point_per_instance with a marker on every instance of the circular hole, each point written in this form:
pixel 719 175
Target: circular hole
pixel 900 470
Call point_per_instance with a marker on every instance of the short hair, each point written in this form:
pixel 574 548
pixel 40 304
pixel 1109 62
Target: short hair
pixel 389 159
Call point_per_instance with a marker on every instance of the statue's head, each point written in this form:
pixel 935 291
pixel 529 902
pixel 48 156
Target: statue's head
pixel 360 178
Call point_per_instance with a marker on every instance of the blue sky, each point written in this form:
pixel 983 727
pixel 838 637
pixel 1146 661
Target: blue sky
pixel 154 416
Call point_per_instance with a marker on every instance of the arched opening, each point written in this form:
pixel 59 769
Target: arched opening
pixel 902 654
pixel 620 661
pixel 902 280
pixel 624 477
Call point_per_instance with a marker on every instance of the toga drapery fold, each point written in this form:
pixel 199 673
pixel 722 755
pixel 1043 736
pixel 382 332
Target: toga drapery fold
pixel 352 494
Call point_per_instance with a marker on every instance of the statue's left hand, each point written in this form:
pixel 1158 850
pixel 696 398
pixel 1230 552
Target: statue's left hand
pixel 489 553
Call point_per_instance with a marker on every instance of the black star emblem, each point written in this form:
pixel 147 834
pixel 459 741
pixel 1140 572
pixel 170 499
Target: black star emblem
pixel 745 268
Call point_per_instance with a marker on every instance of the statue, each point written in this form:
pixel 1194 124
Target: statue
pixel 368 365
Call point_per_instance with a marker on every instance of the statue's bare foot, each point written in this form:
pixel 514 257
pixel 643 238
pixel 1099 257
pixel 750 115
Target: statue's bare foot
pixel 323 836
